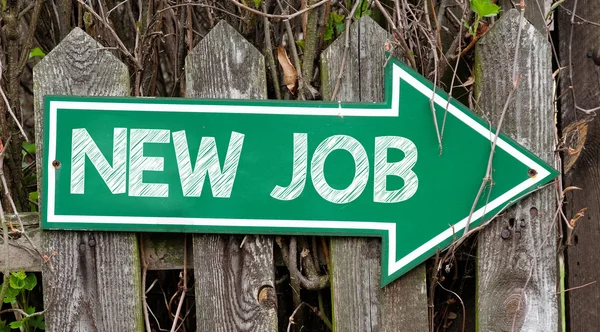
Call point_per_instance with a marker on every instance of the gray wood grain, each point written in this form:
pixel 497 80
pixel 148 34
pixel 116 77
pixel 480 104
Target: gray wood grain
pixel 582 256
pixel 96 281
pixel 524 264
pixel 234 285
pixel 359 302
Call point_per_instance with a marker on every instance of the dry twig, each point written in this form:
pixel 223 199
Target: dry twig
pixel 184 287
pixel 338 80
pixel 285 17
pixel 488 173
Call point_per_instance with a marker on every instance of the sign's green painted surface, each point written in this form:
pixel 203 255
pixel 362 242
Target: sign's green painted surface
pixel 361 169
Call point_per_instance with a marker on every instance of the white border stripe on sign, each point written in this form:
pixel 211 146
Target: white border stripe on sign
pixel 393 264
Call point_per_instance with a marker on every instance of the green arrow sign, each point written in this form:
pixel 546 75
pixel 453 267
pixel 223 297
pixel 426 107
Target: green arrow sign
pixel 275 167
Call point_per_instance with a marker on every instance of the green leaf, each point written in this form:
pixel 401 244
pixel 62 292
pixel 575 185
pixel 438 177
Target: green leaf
pixel 340 27
pixel 11 295
pixel 30 310
pixel 328 32
pixel 34 197
pixel 37 322
pixel 19 274
pixel 16 283
pixel 469 28
pixel 36 51
pixel 300 43
pixel 29 147
pixel 257 3
pixel 362 10
pixel 16 325
pixel 30 281
pixel 465 23
pixel 333 24
pixel 485 8
pixel 337 18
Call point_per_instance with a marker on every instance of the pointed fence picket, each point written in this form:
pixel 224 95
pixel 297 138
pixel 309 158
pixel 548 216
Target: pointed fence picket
pixel 359 302
pixel 96 283
pixel 234 278
pixel 516 263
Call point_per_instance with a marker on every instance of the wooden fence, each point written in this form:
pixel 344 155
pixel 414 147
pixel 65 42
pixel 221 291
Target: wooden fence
pixel 97 281
pixel 579 49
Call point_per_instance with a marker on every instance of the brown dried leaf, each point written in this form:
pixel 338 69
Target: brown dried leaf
pixel 567 189
pixel 290 76
pixel 574 136
pixel 468 82
pixel 576 217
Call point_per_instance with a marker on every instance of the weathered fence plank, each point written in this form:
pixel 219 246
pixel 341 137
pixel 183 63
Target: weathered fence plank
pixel 234 278
pixel 582 255
pixel 517 265
pixel 359 302
pixel 96 281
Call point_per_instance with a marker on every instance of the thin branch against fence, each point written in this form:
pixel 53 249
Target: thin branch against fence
pixel 269 53
pixel 454 75
pixel 406 49
pixel 144 276
pixel 282 17
pixel 4 231
pixel 577 287
pixel 435 82
pixel 184 287
pixel 338 80
pixel 30 35
pixel 203 5
pixel 114 34
pixel 583 20
pixel 570 60
pixel 319 313
pixel 12 114
pixel 464 311
pixel 488 173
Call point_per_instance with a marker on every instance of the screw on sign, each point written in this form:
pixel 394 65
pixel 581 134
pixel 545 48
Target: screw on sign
pixel 282 167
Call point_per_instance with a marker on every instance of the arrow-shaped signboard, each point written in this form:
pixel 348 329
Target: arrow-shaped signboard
pixel 274 167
